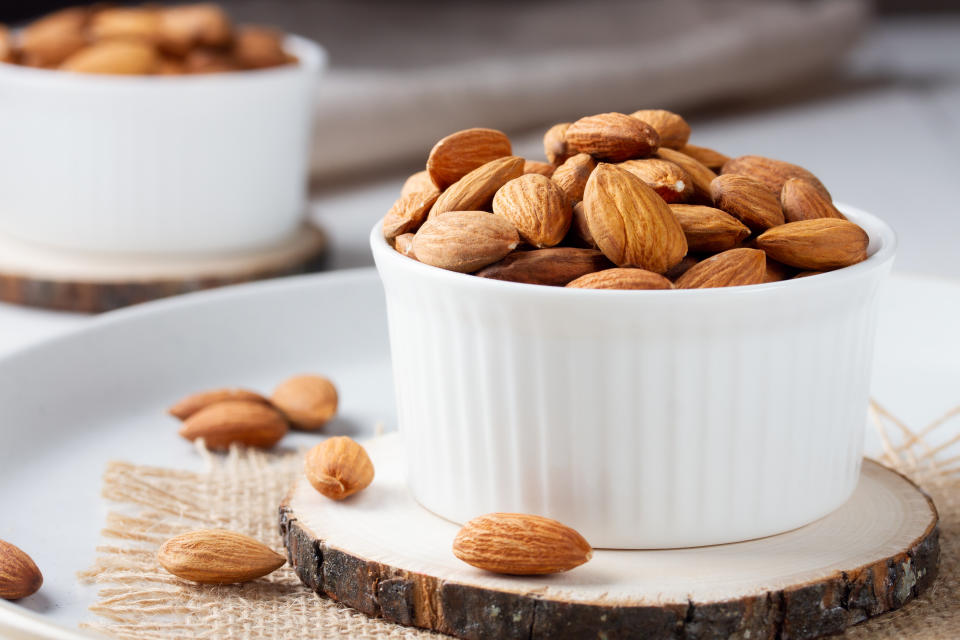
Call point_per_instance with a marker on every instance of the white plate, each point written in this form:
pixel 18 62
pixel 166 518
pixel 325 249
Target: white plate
pixel 69 405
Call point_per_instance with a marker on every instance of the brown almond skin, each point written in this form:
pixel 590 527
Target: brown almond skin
pixel 475 191
pixel 770 172
pixel 465 241
pixel 733 268
pixel 184 27
pixel 666 178
pixel 53 38
pixel 520 544
pixel 816 245
pixel 621 278
pixel 700 175
pixel 537 207
pixel 802 199
pixel 404 244
pixel 253 424
pixel 748 200
pixel 777 271
pixel 672 128
pixel 555 143
pixel 125 22
pixel 612 136
pixel 460 153
pixel 117 57
pixel 217 556
pixel 573 174
pixel 19 575
pixel 307 401
pixel 711 159
pixel 579 234
pixel 552 267
pixel 207 60
pixel 419 181
pixel 197 401
pixel 257 47
pixel 681 267
pixel 708 229
pixel 7 52
pixel 630 223
pixel 338 467
pixel 408 213
pixel 535 166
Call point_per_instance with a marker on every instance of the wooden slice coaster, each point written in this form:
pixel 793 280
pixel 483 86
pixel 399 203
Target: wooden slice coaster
pixel 67 280
pixel 383 554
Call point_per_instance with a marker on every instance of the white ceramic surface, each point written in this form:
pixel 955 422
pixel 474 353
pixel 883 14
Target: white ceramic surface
pixel 643 419
pixel 156 163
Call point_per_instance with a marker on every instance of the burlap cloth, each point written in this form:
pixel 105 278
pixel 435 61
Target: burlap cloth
pixel 241 491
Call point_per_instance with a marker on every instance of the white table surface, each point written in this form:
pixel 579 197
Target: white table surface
pixel 884 139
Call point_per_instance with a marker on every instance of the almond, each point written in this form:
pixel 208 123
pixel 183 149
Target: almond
pixel 579 229
pixel 404 244
pixel 408 213
pixel 554 267
pixel 475 191
pixel 573 174
pixel 748 200
pixel 19 575
pixel 555 143
pixel 307 401
pixel 197 401
pixel 206 60
pixel 672 129
pixel 681 267
pixel 802 199
pixel 631 224
pixel 708 229
pixel 699 174
pixel 137 23
pixel 6 45
pixel 460 153
pixel 770 172
pixel 338 467
pixel 236 421
pixel 520 544
pixel 464 241
pixel 187 26
pixel 53 38
pixel 816 245
pixel 121 57
pixel 537 207
pixel 713 160
pixel 733 268
pixel 535 166
pixel 217 556
pixel 419 181
pixel 621 278
pixel 807 274
pixel 777 271
pixel 257 47
pixel 666 178
pixel 612 136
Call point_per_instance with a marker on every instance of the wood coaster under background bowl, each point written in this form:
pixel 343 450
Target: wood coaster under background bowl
pixel 383 554
pixel 92 282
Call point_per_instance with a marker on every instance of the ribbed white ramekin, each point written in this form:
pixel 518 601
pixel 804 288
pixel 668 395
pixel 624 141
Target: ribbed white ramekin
pixel 643 419
pixel 156 163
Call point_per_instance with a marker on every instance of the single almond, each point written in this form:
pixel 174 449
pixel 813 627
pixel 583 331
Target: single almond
pixel 777 271
pixel 184 27
pixel 464 241
pixel 520 544
pixel 460 153
pixel 573 174
pixel 419 181
pixel 138 23
pixel 816 245
pixel 612 136
pixel 236 421
pixel 579 234
pixel 666 178
pixel 555 143
pixel 748 200
pixel 802 199
pixel 53 38
pixel 621 278
pixel 19 575
pixel 708 229
pixel 537 207
pixel 475 191
pixel 555 266
pixel 770 172
pixel 258 47
pixel 408 213
pixel 7 50
pixel 711 159
pixel 217 556
pixel 700 175
pixel 681 267
pixel 733 268
pixel 307 401
pixel 404 244
pixel 120 57
pixel 630 223
pixel 672 128
pixel 338 467
pixel 535 166
pixel 197 401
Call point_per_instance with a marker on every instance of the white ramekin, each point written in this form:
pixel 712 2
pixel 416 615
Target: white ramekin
pixel 644 419
pixel 156 163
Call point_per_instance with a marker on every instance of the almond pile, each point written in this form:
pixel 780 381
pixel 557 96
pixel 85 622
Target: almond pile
pixel 147 40
pixel 623 202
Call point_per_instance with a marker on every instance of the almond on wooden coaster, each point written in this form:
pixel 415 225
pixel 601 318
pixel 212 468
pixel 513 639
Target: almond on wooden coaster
pixel 621 278
pixel 338 467
pixel 460 153
pixel 217 556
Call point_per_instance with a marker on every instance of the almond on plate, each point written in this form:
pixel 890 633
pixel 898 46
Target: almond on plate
pixel 816 245
pixel 733 268
pixel 197 401
pixel 555 266
pixel 748 200
pixel 537 207
pixel 236 421
pixel 307 401
pixel 672 128
pixel 460 153
pixel 217 556
pixel 475 191
pixel 621 278
pixel 612 136
pixel 19 575
pixel 464 240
